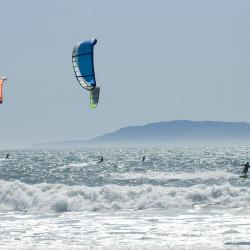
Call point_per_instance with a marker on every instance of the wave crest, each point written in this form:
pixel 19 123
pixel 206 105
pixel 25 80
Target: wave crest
pixel 18 196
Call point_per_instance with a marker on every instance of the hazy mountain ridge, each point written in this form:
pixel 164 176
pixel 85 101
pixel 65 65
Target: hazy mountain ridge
pixel 170 133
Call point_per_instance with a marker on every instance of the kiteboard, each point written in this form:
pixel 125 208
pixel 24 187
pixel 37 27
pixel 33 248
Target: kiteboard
pixel 243 176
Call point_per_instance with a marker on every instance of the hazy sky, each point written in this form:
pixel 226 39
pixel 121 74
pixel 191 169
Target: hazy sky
pixel 154 60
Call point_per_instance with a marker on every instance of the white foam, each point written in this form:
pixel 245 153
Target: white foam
pixel 83 164
pixel 4 159
pixel 118 247
pixel 18 196
pixel 205 175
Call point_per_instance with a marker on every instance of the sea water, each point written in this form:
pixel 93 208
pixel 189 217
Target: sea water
pixel 178 198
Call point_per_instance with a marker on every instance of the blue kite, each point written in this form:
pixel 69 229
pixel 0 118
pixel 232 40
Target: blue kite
pixel 83 65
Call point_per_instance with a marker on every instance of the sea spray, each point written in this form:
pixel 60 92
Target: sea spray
pixel 18 196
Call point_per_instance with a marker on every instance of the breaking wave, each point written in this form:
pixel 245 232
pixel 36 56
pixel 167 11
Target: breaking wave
pixel 18 196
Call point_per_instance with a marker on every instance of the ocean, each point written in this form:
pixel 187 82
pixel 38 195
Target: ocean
pixel 178 198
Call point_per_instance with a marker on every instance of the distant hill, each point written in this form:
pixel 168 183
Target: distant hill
pixel 180 132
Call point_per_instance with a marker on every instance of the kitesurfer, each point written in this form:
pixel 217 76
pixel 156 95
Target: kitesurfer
pixel 143 158
pixel 245 170
pixel 7 156
pixel 101 159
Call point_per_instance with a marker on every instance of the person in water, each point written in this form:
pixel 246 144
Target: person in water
pixel 101 160
pixel 245 170
pixel 7 156
pixel 143 158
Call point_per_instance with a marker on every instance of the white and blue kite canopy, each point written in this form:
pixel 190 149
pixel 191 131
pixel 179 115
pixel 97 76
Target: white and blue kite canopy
pixel 83 64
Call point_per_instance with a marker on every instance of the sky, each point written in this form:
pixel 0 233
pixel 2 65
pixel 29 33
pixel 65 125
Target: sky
pixel 155 61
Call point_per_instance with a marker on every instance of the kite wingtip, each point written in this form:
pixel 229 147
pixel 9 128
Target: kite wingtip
pixel 94 41
pixel 3 78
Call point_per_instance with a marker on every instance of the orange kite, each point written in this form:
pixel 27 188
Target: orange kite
pixel 2 79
